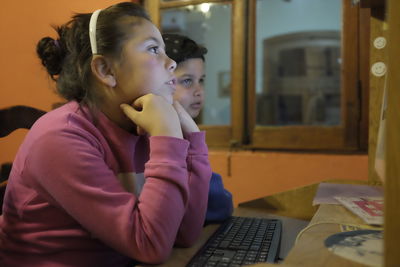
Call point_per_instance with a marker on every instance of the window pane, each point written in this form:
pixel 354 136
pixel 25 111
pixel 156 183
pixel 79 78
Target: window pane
pixel 209 25
pixel 298 62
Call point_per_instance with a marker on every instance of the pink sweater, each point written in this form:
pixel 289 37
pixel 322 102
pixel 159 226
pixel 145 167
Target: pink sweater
pixel 64 205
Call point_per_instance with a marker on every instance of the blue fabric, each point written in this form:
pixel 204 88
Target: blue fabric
pixel 220 205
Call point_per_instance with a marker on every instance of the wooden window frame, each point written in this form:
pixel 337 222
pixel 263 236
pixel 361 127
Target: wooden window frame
pixel 351 135
pixel 342 137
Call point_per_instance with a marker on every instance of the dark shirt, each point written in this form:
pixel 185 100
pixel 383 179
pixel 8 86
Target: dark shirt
pixel 220 205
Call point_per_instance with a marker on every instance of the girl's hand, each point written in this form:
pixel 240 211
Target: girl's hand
pixel 153 114
pixel 187 123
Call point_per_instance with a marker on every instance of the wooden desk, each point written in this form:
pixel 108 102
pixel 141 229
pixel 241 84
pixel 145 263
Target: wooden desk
pixel 291 227
pixel 309 249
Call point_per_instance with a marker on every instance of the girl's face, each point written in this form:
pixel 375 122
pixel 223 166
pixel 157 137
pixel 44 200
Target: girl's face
pixel 144 67
pixel 190 85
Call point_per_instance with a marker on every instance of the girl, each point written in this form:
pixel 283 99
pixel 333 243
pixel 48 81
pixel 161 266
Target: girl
pixel 190 75
pixel 64 204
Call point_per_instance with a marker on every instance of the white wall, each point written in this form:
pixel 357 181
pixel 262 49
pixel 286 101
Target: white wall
pixel 218 39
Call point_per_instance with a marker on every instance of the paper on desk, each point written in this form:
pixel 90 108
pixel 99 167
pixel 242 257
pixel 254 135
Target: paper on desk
pixel 327 192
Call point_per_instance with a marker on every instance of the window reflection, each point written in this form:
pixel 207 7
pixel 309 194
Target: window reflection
pixel 209 25
pixel 298 62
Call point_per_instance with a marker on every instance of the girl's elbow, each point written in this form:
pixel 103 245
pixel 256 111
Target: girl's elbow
pixel 158 256
pixel 155 252
pixel 187 241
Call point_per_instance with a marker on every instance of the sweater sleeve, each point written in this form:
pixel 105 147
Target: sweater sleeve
pixel 199 173
pixel 71 171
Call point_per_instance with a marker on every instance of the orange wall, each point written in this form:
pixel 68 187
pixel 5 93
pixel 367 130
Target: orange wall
pixel 247 175
pixel 252 175
pixel 23 80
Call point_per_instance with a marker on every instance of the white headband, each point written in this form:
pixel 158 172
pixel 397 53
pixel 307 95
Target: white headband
pixel 92 31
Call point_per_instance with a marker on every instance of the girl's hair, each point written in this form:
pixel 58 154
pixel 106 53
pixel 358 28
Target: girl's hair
pixel 180 48
pixel 68 58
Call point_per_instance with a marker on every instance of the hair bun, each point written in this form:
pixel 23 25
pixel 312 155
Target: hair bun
pixel 51 53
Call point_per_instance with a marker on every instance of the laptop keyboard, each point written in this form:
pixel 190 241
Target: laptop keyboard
pixel 241 241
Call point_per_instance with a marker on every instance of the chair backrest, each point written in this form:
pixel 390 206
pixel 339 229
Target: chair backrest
pixel 11 119
pixel 18 117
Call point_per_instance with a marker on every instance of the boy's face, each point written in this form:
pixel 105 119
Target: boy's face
pixel 190 85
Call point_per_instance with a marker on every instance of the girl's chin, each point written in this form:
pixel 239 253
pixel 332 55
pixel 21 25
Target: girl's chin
pixel 168 98
pixel 194 113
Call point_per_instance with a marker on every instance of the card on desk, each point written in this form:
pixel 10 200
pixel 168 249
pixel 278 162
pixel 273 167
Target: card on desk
pixel 370 209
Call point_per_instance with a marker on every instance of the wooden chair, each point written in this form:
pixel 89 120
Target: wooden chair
pixel 11 119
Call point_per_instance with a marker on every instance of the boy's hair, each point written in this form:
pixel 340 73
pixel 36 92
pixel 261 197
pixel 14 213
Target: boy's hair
pixel 180 48
pixel 68 57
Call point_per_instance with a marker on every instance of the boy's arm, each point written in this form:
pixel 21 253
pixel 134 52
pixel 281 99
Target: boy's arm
pixel 220 205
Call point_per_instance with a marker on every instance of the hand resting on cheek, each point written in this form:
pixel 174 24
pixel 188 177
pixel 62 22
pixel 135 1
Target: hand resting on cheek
pixel 154 115
pixel 187 123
